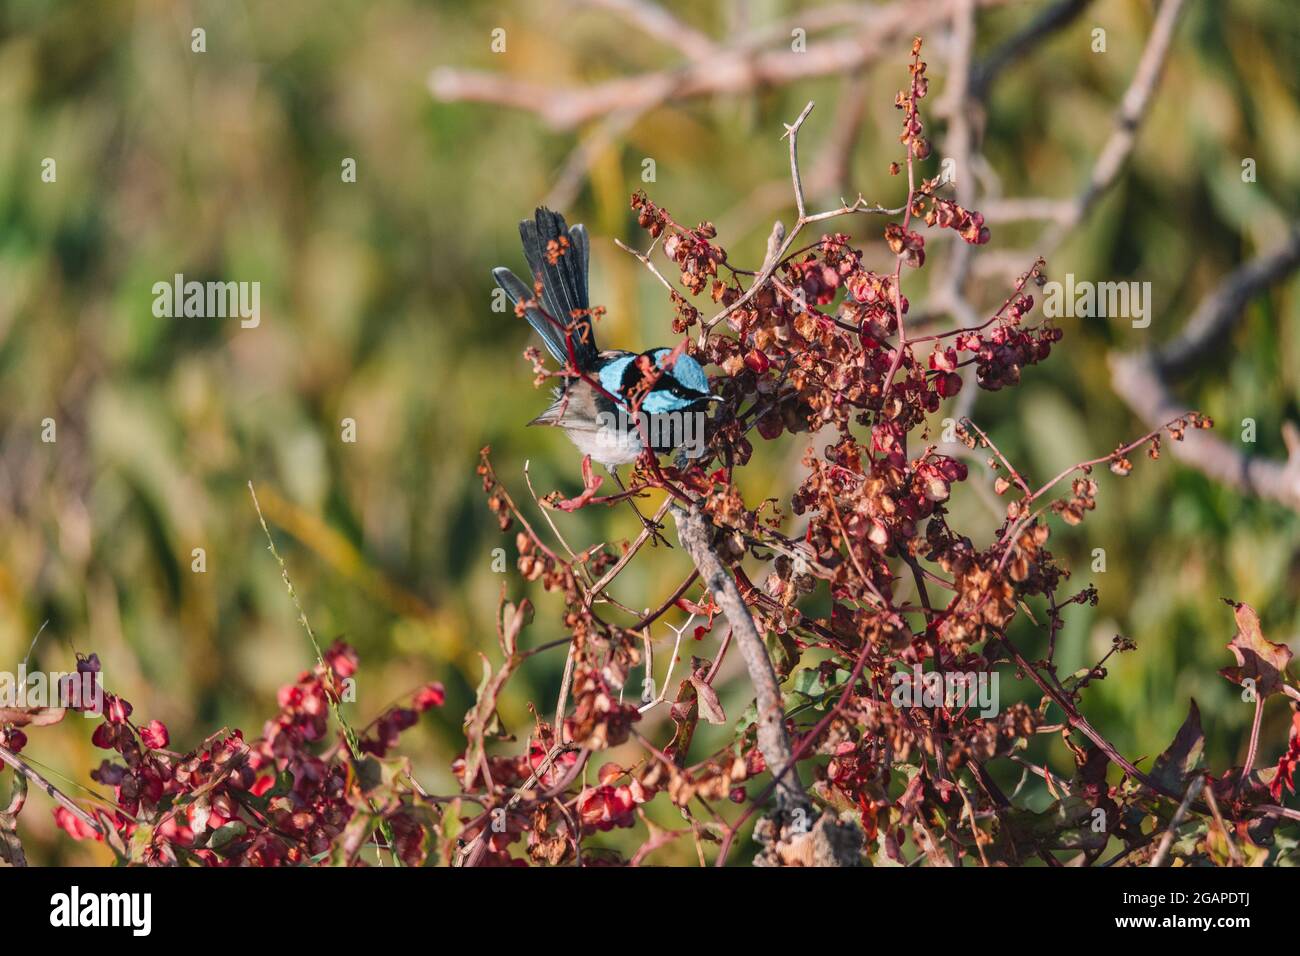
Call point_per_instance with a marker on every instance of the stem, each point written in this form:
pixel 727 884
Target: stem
pixel 1254 743
pixel 1168 839
pixel 55 794
pixel 693 530
pixel 907 222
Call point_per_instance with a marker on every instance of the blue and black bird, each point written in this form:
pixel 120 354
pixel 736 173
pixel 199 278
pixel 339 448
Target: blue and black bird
pixel 596 420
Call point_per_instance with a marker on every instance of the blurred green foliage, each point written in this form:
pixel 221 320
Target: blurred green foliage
pixel 376 306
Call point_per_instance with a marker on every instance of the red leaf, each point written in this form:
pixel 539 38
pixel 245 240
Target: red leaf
pixel 30 716
pixel 591 483
pixel 1288 762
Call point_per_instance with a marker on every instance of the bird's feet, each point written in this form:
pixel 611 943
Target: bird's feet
pixel 654 527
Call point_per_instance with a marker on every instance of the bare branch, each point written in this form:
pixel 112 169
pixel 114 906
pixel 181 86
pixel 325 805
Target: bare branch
pixel 1136 380
pixel 653 20
pixel 1128 120
pixel 737 69
pixel 53 792
pixel 792 131
pixel 1066 215
pixel 1054 18
pixel 1218 312
pixel 694 531
pixel 1140 380
pixel 646 261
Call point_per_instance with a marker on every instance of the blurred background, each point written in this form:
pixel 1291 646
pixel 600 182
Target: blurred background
pixel 376 305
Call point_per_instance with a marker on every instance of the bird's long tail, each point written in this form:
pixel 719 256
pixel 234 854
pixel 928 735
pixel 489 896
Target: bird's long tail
pixel 558 258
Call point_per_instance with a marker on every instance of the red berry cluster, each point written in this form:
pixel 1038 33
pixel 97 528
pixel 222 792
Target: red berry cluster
pixel 948 215
pixel 280 799
pixel 691 249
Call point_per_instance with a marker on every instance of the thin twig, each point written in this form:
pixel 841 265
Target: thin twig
pixel 53 792
pixel 1233 852
pixel 1193 791
pixel 327 682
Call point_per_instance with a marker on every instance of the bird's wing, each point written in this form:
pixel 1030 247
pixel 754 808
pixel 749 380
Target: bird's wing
pixel 575 408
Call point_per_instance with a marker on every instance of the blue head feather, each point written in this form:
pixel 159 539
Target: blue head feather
pixel 657 403
pixel 685 370
pixel 611 376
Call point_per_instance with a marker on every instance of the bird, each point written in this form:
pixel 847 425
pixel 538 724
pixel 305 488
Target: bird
pixel 606 409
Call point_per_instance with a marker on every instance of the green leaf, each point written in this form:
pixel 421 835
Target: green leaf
pixel 784 653
pixel 377 775
pixel 746 720
pixel 809 683
pixel 369 774
pixel 283 785
pixel 222 837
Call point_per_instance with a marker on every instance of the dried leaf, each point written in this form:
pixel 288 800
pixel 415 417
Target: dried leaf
pixel 31 716
pixel 1172 767
pixel 707 697
pixel 1258 659
pixel 685 713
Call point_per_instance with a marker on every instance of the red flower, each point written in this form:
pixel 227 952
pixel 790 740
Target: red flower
pixel 430 695
pixel 116 709
pixel 155 735
pixel 342 659
pixel 73 825
pixel 606 807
